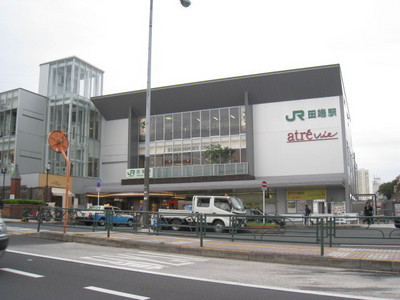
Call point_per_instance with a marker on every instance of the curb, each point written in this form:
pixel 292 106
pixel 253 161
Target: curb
pixel 255 256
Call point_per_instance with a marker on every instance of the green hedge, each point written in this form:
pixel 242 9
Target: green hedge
pixel 24 201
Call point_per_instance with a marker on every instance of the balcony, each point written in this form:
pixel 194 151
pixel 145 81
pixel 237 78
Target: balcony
pixel 196 173
pixel 201 170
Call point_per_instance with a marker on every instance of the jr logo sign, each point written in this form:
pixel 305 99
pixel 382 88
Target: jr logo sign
pixel 311 114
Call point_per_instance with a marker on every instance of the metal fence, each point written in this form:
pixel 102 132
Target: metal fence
pixel 324 231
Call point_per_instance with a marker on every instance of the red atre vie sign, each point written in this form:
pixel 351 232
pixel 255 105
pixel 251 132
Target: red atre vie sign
pixel 263 184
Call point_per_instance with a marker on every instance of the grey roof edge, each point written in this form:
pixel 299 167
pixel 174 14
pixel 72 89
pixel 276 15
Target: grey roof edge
pixel 220 80
pixel 25 90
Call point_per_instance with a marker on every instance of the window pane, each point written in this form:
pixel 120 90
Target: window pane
pixel 142 130
pixel 177 159
pixel 224 114
pixel 234 120
pixel 186 158
pixel 205 123
pixel 214 118
pixel 196 158
pixel 152 129
pixel 159 128
pixel 242 120
pixel 195 124
pixel 186 126
pixel 159 160
pixel 168 127
pixel 168 160
pixel 177 126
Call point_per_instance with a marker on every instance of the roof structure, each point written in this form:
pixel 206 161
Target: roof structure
pixel 315 82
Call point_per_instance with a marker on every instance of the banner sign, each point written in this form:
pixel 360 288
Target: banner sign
pixel 305 194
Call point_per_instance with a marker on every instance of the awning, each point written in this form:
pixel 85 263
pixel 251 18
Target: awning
pixel 61 192
pixel 119 195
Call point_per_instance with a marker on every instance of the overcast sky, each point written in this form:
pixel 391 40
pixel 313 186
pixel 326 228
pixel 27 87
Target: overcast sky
pixel 222 38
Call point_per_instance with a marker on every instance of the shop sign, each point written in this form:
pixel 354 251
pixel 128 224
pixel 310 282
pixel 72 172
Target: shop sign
pixel 305 194
pixel 310 136
pixel 137 173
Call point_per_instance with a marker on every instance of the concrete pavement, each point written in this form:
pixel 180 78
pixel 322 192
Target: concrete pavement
pixel 357 258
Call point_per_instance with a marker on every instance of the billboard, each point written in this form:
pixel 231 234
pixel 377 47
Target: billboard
pixel 302 137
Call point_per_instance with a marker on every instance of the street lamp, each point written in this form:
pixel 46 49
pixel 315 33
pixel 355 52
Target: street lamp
pixel 146 190
pixel 47 183
pixel 4 172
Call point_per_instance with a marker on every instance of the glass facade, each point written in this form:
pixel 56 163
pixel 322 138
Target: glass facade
pixel 71 84
pixel 181 139
pixel 8 123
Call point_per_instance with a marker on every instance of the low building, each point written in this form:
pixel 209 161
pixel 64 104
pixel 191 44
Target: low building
pixel 289 128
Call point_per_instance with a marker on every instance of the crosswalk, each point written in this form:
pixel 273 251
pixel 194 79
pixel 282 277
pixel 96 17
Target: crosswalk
pixel 144 260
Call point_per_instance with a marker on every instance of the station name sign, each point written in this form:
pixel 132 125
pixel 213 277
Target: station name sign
pixel 311 135
pixel 137 173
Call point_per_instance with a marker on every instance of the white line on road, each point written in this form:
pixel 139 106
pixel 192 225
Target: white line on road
pixel 21 273
pixel 116 293
pixel 332 294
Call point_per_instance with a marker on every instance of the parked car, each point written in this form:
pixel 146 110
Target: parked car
pixel 254 212
pixel 3 237
pixel 97 213
pixel 258 217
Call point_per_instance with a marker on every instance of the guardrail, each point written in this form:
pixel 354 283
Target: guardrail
pixel 319 230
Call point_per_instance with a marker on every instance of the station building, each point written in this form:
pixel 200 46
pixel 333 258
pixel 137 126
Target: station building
pixel 226 136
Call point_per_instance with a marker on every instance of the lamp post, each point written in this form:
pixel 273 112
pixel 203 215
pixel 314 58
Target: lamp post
pixel 47 183
pixel 146 189
pixel 4 172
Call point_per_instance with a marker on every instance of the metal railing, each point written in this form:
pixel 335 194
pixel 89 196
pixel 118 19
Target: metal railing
pixel 201 170
pixel 319 230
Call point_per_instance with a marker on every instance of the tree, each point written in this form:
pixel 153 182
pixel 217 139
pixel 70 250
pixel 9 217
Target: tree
pixel 218 155
pixel 387 189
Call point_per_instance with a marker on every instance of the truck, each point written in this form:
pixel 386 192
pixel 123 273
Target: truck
pixel 219 211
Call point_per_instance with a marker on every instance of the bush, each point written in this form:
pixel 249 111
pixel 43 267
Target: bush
pixel 24 201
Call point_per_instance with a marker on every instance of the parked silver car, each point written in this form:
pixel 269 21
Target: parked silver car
pixel 3 237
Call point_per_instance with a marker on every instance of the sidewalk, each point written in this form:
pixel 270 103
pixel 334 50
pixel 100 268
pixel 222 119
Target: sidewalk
pixel 356 258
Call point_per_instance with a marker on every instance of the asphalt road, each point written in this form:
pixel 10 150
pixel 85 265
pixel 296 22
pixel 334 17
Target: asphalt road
pixel 44 269
pixel 24 276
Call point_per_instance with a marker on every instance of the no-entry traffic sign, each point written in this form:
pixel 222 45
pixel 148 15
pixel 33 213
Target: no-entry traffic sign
pixel 264 185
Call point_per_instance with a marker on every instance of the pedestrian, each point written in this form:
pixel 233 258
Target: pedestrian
pixel 307 213
pixel 1 207
pixel 368 212
pixel 141 205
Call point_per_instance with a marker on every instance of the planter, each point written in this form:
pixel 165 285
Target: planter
pixel 17 211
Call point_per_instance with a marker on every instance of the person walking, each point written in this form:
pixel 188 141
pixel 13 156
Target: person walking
pixel 368 212
pixel 307 213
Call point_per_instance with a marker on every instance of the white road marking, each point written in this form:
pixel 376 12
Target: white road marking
pixel 21 273
pixel 145 260
pixel 332 294
pixel 116 293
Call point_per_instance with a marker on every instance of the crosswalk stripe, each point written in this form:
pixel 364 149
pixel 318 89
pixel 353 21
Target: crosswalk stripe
pixel 21 273
pixel 116 293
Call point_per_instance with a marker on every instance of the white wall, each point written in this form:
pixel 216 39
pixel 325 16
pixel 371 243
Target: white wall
pixel 114 150
pixel 298 147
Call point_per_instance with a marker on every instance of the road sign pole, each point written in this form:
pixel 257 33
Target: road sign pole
pixel 264 205
pixel 264 187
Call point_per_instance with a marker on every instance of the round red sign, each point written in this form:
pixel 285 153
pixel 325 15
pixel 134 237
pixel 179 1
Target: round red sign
pixel 263 184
